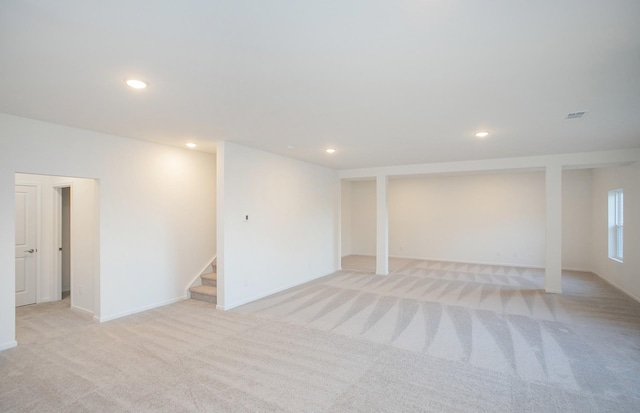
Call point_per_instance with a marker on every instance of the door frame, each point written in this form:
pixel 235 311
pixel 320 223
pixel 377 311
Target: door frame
pixel 56 292
pixel 38 256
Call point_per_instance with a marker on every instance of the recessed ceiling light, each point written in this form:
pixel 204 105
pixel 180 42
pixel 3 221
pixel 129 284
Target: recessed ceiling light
pixel 136 84
pixel 191 145
pixel 482 134
pixel 330 150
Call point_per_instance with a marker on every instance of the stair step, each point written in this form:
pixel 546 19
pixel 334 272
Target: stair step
pixel 204 293
pixel 204 289
pixel 210 279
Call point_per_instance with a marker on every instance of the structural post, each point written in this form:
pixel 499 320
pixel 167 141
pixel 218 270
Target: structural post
pixel 220 218
pixel 382 225
pixel 553 234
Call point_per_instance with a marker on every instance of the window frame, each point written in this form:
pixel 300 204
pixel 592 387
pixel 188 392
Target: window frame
pixel 616 224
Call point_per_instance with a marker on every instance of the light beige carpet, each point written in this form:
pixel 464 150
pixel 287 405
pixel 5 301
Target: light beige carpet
pixel 431 336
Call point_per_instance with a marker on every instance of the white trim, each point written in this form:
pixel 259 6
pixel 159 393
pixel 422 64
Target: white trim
pixel 502 264
pixel 570 160
pixel 577 269
pixel 10 344
pixel 195 279
pixel 139 309
pixel 615 228
pixel 57 239
pixel 617 287
pixel 56 270
pixel 366 254
pixel 406 257
pixel 82 310
pixel 263 295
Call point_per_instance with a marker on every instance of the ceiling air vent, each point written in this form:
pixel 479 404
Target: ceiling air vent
pixel 576 115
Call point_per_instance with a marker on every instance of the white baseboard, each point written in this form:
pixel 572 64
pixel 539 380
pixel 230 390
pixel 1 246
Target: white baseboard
pixel 10 344
pixel 139 309
pixel 577 269
pixel 502 264
pixel 364 254
pixel 82 310
pixel 617 287
pixel 266 294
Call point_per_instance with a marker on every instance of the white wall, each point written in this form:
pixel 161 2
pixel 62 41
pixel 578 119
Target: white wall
pixel 156 206
pixel 476 218
pixel 84 235
pixel 363 217
pixel 576 219
pixel 491 218
pixel 625 275
pixel 345 218
pixel 292 232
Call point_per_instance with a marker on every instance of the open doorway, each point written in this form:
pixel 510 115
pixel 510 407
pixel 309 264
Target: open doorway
pixel 66 252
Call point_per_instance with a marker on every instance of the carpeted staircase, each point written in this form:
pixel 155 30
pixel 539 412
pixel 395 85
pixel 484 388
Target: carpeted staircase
pixel 208 290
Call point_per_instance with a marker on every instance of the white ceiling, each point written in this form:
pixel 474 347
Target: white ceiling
pixel 385 82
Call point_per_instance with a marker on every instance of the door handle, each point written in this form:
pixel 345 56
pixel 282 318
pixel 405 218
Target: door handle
pixel 31 251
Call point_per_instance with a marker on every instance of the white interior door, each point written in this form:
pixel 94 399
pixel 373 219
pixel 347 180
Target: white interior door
pixel 25 245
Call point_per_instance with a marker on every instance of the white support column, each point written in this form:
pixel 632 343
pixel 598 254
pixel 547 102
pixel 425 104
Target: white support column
pixel 220 217
pixel 382 225
pixel 553 237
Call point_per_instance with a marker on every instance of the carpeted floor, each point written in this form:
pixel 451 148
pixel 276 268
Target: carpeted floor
pixel 431 336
